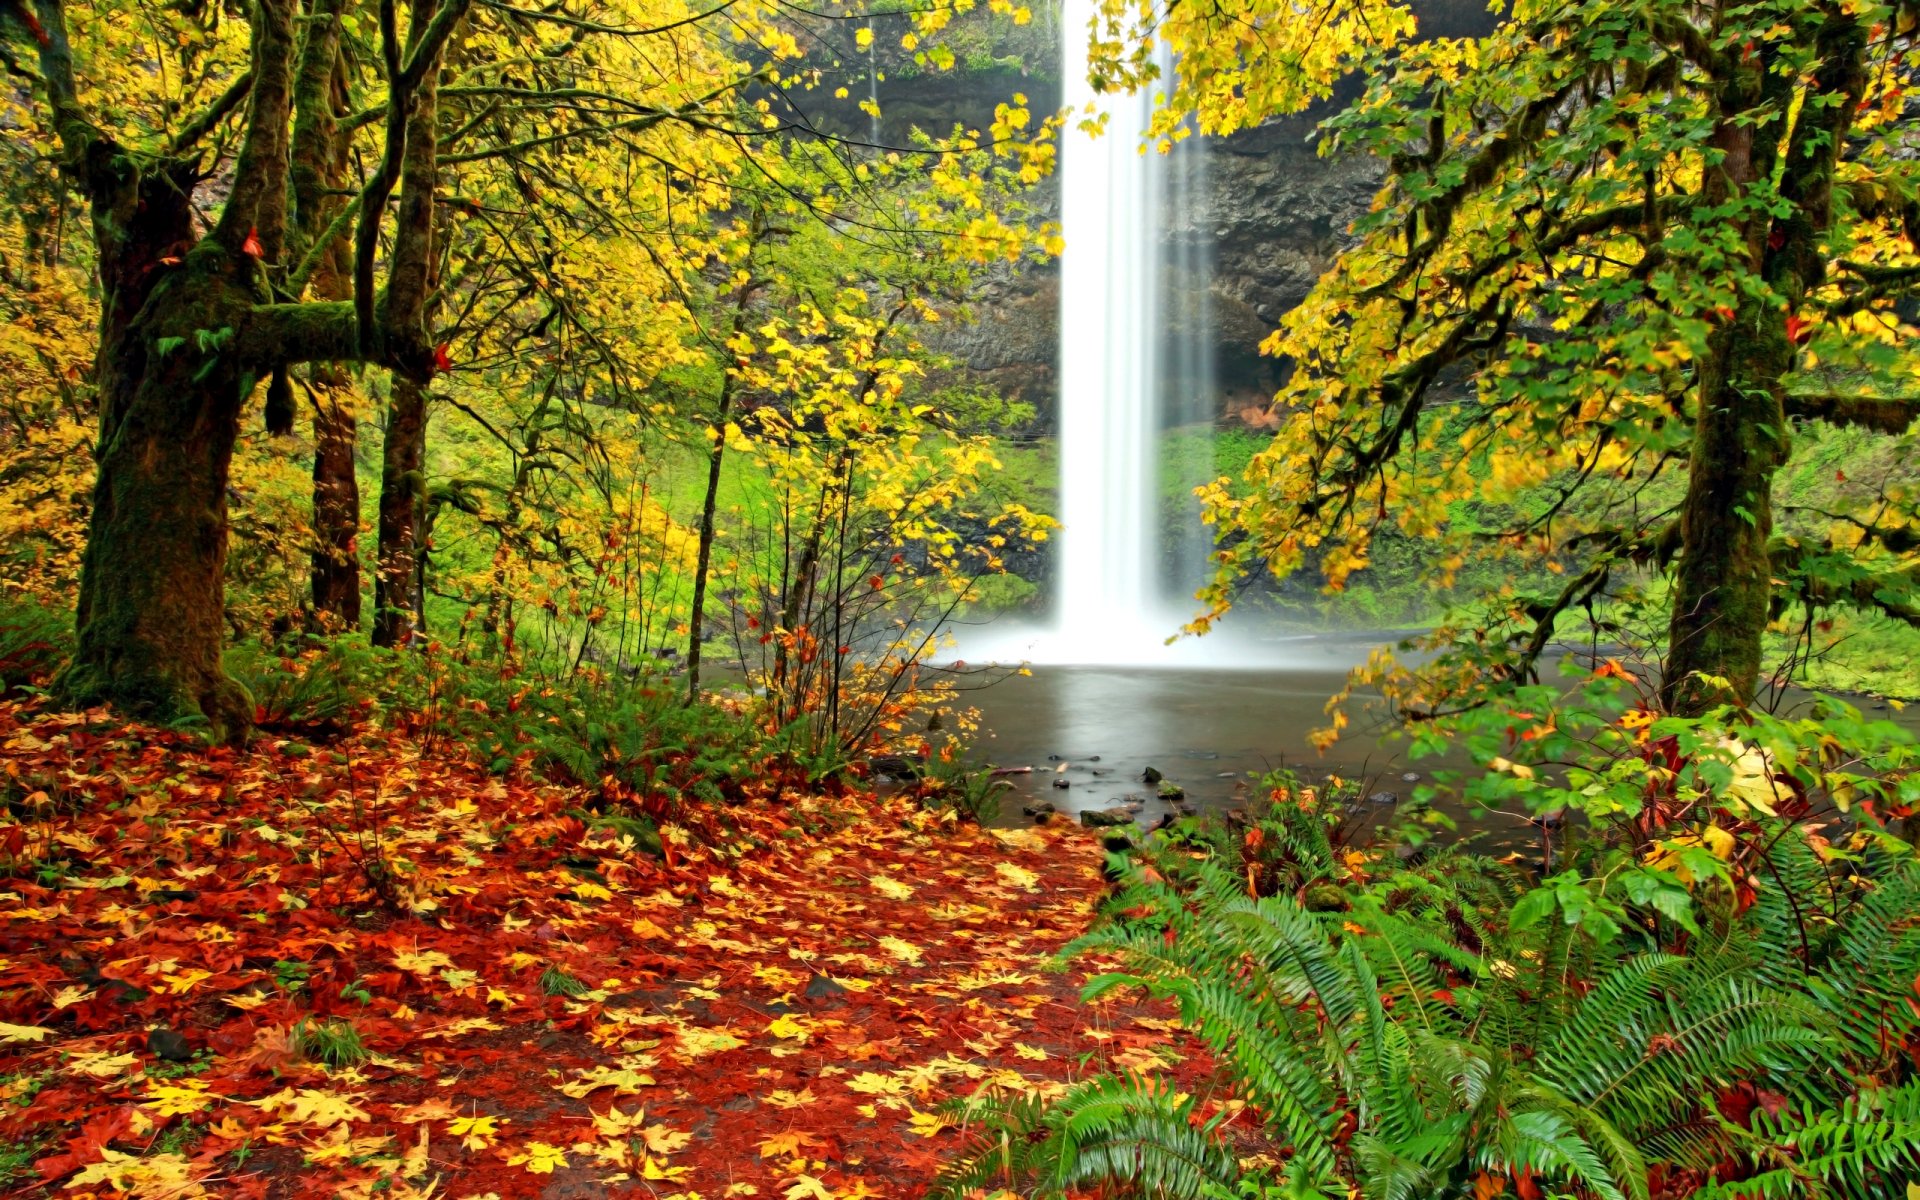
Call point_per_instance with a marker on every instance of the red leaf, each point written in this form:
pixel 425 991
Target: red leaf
pixel 251 247
pixel 1799 331
pixel 440 360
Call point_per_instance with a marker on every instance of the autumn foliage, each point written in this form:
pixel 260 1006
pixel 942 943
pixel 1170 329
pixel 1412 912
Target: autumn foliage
pixel 357 970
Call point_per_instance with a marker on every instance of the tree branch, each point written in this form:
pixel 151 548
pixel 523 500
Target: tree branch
pixel 211 116
pixel 258 200
pixel 1883 414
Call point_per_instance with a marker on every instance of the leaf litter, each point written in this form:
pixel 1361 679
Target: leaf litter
pixel 376 969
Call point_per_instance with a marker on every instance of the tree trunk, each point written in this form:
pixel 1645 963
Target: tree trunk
pixel 1723 588
pixel 152 604
pixel 411 277
pixel 318 176
pixel 396 601
pixel 336 514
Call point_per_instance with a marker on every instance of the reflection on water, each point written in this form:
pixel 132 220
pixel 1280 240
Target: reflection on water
pixel 1210 731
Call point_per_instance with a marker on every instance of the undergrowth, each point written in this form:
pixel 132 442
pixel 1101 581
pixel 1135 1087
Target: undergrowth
pixel 1454 1030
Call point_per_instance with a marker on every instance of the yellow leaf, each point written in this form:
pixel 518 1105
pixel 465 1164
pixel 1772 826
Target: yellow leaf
pixel 1019 877
pixel 311 1106
pixel 892 889
pixel 641 927
pixel 806 1187
pixel 539 1158
pixel 906 952
pixel 872 1083
pixel 476 1133
pixel 421 962
pixel 23 1033
pixel 926 1124
pixel 789 1026
pixel 624 1081
pixel 170 1100
pixel 791 1144
pixel 1033 1052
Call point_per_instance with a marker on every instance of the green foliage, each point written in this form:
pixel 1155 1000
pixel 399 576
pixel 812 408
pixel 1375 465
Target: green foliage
pixel 1430 1033
pixel 555 981
pixel 307 681
pixel 34 640
pixel 336 1043
pixel 971 791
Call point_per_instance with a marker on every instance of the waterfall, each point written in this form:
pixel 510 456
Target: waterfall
pixel 1123 379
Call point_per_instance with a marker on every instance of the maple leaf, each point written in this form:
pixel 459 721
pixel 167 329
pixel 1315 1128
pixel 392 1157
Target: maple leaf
pixel 925 1124
pixel 476 1133
pixel 905 951
pixel 149 1177
pixel 1019 877
pixel 662 1140
pixel 872 1083
pixel 23 1033
pixel 171 1100
pixel 1033 1052
pixel 782 1098
pixel 791 1144
pixel 651 1168
pixel 623 1080
pixel 416 1162
pixel 432 1109
pixel 806 1187
pixel 642 927
pixel 339 1143
pixel 312 1106
pixel 421 962
pixel 101 1065
pixel 791 1027
pixel 892 889
pixel 250 246
pixel 539 1158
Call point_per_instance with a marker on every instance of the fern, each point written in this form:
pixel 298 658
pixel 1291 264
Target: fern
pixel 1462 1049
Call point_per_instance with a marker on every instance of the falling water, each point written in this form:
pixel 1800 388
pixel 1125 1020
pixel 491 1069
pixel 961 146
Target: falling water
pixel 1114 394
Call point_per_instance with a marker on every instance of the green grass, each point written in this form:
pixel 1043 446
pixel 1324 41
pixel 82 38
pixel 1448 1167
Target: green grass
pixel 335 1043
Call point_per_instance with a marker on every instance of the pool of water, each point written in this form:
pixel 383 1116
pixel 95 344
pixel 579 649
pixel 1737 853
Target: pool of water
pixel 1212 731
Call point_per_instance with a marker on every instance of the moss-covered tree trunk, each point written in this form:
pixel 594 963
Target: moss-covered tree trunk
pixel 336 513
pixel 151 609
pixel 397 599
pixel 318 175
pixel 1723 586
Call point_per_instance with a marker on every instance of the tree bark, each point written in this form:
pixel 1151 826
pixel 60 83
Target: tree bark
pixel 396 603
pixel 398 596
pixel 151 608
pixel 319 180
pixel 336 513
pixel 1723 586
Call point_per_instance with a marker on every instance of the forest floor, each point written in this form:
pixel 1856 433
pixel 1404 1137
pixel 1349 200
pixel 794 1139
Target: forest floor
pixel 778 1008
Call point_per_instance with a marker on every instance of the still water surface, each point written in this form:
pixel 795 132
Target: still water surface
pixel 1212 731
